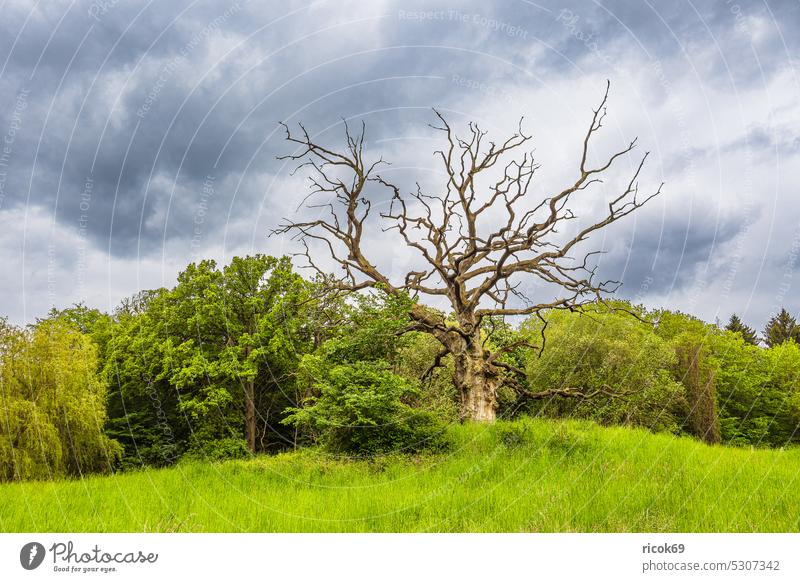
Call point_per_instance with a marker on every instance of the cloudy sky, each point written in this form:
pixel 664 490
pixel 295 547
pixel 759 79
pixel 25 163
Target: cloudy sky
pixel 139 136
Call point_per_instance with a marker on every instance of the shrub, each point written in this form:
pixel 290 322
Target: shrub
pixel 516 434
pixel 219 449
pixel 437 393
pixel 363 409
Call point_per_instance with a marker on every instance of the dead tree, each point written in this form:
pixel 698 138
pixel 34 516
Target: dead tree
pixel 477 268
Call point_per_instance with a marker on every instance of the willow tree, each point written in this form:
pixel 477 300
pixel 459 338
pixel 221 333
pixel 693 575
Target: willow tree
pixel 468 256
pixel 52 403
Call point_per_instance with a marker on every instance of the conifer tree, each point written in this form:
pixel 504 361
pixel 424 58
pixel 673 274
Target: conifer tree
pixel 736 325
pixel 781 328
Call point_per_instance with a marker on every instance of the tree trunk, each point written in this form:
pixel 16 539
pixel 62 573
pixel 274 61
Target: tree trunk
pixel 702 420
pixel 479 400
pixel 476 383
pixel 250 414
pixel 474 376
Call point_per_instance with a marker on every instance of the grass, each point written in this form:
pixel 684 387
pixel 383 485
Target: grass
pixel 523 476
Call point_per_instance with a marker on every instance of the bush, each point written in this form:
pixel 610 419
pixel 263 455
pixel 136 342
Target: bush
pixel 437 393
pixel 363 409
pixel 516 434
pixel 219 449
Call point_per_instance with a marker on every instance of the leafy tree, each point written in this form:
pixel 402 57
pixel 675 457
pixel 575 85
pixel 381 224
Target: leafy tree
pixel 698 374
pixel 671 324
pixel 781 395
pixel 748 334
pixel 693 341
pixel 30 446
pixel 372 388
pixel 741 374
pixel 620 366
pixel 209 366
pixel 758 393
pixel 754 390
pixel 781 328
pixel 143 407
pixel 52 410
pixel 371 328
pixel 84 319
pixel 242 338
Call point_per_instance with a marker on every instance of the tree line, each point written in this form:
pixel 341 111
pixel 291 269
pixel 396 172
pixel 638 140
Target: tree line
pixel 253 358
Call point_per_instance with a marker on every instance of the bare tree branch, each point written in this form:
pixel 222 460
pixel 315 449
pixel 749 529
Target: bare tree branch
pixel 478 239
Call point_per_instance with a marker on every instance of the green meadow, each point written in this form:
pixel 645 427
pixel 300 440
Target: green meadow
pixel 522 476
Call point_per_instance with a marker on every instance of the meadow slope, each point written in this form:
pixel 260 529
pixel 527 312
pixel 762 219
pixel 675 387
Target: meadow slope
pixel 522 476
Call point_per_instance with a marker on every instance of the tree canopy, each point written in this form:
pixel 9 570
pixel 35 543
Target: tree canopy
pixel 251 358
pixel 53 404
pixel 748 334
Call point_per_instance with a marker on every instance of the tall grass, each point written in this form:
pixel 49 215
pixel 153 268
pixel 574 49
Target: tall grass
pixel 523 476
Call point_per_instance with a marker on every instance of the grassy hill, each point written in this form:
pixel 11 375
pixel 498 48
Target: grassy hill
pixel 522 476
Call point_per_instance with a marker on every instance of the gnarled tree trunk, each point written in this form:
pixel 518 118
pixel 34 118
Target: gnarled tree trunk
pixel 474 375
pixel 478 388
pixel 475 379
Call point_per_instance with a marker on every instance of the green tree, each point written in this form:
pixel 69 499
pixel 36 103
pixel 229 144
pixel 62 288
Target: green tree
pixel 262 305
pixel 758 392
pixel 754 390
pixel 618 365
pixel 697 373
pixel 370 386
pixel 209 366
pixel 781 328
pixel 736 325
pixel 143 407
pixel 52 410
pixel 693 341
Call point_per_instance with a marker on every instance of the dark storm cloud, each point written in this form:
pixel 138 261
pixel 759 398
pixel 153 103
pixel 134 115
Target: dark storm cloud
pixel 144 95
pixel 131 108
pixel 670 255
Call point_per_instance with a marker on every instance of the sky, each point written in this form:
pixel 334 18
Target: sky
pixel 140 136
